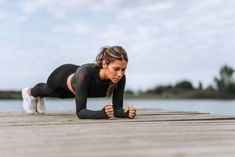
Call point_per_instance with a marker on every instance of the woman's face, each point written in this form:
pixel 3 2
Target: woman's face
pixel 115 70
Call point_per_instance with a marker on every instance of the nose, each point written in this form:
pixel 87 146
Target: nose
pixel 120 73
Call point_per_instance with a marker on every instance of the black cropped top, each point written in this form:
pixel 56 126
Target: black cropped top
pixel 86 83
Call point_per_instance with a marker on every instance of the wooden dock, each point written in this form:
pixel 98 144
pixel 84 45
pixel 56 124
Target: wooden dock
pixel 154 133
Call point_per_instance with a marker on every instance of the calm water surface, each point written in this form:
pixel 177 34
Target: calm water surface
pixel 221 107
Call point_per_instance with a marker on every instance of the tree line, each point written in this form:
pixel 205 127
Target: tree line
pixel 223 87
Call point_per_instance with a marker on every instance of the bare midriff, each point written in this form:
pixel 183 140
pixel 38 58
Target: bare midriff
pixel 69 85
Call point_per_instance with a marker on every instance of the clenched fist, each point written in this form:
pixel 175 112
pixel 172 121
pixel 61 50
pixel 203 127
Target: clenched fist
pixel 109 110
pixel 131 111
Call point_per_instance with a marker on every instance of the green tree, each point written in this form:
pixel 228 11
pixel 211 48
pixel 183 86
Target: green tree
pixel 185 85
pixel 225 82
pixel 160 89
pixel 200 86
pixel 129 92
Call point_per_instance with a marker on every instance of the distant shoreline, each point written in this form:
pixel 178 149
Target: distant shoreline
pixel 10 94
pixel 15 94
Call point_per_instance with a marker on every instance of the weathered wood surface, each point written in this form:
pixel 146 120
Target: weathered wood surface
pixel 154 133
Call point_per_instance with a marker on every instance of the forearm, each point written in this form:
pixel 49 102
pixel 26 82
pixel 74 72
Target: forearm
pixel 89 114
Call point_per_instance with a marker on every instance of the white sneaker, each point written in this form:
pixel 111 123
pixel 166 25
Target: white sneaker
pixel 29 102
pixel 40 105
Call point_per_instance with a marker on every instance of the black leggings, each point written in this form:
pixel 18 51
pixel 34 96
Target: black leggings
pixel 56 85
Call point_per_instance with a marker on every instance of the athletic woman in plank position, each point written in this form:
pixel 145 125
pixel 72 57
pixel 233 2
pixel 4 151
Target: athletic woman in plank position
pixel 106 77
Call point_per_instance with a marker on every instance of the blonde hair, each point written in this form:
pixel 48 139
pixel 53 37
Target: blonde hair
pixel 110 54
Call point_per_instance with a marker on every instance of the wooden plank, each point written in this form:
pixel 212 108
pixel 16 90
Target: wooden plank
pixel 153 133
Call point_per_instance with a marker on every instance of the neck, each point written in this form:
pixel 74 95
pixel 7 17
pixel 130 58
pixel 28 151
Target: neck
pixel 102 74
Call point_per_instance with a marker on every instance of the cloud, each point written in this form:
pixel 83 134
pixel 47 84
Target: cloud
pixel 165 40
pixel 61 9
pixel 56 8
pixel 78 27
pixel 9 19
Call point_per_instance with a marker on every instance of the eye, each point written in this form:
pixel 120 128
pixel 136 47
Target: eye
pixel 116 68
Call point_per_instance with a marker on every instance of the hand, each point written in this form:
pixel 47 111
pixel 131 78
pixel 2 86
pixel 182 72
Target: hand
pixel 132 111
pixel 109 110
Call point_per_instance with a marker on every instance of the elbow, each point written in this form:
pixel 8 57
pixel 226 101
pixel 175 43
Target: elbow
pixel 80 115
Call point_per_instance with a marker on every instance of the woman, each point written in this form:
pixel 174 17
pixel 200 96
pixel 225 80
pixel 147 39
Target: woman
pixel 106 77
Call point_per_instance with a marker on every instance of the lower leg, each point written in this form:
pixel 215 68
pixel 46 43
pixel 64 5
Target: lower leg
pixel 39 90
pixel 29 91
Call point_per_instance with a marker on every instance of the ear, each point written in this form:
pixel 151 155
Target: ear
pixel 104 64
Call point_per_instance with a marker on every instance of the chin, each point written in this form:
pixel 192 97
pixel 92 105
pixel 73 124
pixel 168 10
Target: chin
pixel 115 81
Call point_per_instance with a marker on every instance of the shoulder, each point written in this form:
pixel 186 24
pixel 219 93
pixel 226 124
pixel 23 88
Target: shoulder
pixel 87 70
pixel 88 66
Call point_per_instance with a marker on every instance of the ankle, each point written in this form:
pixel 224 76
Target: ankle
pixel 29 92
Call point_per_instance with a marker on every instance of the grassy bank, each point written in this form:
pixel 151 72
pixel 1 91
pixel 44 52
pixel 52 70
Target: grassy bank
pixel 10 95
pixel 179 94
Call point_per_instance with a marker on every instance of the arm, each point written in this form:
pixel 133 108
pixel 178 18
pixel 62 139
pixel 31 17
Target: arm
pixel 83 80
pixel 118 99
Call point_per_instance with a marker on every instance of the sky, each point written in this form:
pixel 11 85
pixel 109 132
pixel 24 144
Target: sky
pixel 167 41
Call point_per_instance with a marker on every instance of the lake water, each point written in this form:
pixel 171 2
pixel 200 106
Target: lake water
pixel 222 107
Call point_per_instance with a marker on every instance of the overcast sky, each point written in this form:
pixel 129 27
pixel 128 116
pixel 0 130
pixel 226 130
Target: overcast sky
pixel 166 40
